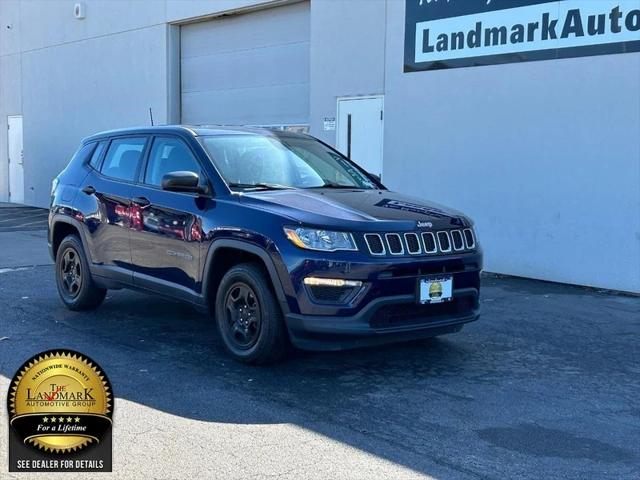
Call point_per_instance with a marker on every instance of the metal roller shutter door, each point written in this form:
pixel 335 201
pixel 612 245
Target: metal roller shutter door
pixel 247 69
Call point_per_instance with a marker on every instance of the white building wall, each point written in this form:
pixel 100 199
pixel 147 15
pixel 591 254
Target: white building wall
pixel 347 45
pixel 10 82
pixel 544 156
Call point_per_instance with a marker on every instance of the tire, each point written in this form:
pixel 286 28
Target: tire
pixel 248 316
pixel 76 287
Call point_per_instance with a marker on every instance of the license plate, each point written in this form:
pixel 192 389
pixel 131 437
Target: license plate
pixel 436 289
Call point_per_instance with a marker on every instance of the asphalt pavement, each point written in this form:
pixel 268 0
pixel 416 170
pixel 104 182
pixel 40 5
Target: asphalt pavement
pixel 544 385
pixel 20 218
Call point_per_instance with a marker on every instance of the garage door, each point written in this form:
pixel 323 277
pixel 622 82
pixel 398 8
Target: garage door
pixel 247 69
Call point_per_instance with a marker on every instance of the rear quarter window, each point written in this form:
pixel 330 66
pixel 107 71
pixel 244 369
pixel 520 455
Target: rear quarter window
pixel 83 153
pixel 97 154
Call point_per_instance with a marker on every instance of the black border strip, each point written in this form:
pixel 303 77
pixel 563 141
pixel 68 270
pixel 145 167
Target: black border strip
pixel 530 56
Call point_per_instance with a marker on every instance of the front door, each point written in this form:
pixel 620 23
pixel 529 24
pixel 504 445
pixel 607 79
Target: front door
pixel 360 122
pixel 16 169
pixel 166 229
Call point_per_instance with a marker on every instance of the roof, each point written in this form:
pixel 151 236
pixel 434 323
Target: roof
pixel 193 130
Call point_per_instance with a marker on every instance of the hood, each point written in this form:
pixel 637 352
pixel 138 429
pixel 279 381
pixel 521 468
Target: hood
pixel 356 209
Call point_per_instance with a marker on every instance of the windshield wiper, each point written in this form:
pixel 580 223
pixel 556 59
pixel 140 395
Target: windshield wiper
pixel 262 186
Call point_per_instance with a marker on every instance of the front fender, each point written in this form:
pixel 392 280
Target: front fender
pixel 267 252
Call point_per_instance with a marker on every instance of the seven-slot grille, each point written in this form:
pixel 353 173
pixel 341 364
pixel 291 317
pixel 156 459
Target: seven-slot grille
pixel 425 243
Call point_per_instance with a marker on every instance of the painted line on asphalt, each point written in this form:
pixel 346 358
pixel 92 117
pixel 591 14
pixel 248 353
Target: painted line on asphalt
pixel 24 267
pixel 16 269
pixel 35 222
pixel 21 217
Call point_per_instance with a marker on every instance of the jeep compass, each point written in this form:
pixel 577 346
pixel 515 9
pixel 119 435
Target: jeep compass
pixel 280 237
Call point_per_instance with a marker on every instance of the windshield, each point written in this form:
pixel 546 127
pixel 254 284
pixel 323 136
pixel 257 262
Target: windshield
pixel 259 161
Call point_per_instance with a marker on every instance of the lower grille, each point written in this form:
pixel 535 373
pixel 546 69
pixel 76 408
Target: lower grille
pixel 330 294
pixel 402 314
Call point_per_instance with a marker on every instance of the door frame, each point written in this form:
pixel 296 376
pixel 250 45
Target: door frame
pixel 17 115
pixel 361 97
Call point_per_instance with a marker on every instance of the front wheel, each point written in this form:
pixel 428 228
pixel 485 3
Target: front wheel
pixel 73 278
pixel 248 316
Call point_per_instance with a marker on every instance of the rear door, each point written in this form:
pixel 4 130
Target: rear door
pixel 106 194
pixel 166 228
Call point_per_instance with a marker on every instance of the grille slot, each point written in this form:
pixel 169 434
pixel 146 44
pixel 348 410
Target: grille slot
pixel 457 240
pixel 443 242
pixel 394 242
pixel 469 238
pixel 429 241
pixel 413 243
pixel 374 243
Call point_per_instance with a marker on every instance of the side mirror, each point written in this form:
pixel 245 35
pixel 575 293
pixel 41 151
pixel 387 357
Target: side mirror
pixel 182 181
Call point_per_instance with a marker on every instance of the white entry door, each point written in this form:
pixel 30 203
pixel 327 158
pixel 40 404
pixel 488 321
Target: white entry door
pixel 360 122
pixel 16 170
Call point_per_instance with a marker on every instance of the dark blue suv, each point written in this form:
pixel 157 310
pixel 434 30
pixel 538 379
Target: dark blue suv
pixel 276 234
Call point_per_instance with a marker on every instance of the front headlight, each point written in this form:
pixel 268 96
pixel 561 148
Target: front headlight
pixel 325 240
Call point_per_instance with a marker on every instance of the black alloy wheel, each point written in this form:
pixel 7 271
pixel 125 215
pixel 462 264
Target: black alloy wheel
pixel 71 272
pixel 243 318
pixel 76 286
pixel 249 316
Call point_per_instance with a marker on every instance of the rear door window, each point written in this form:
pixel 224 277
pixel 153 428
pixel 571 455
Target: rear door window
pixel 123 158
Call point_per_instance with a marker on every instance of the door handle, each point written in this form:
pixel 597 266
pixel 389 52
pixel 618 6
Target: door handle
pixel 141 201
pixel 89 190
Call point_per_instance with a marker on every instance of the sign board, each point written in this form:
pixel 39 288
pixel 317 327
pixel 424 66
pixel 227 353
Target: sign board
pixel 464 33
pixel 329 123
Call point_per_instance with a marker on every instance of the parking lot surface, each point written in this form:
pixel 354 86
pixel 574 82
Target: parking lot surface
pixel 544 385
pixel 14 218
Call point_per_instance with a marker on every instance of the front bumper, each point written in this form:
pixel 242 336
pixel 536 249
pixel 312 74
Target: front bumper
pixel 368 327
pixel 386 309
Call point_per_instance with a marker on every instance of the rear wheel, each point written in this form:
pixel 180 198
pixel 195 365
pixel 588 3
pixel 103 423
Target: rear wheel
pixel 248 316
pixel 73 278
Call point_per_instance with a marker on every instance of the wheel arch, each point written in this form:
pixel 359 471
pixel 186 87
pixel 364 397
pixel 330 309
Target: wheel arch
pixel 224 254
pixel 63 226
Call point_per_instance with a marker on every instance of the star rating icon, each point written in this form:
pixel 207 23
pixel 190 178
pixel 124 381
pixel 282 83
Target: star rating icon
pixel 61 419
